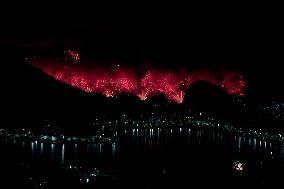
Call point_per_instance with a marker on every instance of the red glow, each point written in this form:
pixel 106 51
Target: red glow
pixel 233 83
pixel 118 80
pixel 72 55
pixel 154 82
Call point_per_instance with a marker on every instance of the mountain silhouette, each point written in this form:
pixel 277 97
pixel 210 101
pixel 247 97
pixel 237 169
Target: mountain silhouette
pixel 32 94
pixel 202 96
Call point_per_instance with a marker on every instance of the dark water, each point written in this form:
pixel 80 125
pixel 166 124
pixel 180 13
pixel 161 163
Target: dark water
pixel 144 158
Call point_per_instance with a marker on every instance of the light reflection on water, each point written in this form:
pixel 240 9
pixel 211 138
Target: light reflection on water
pixel 62 153
pixel 158 147
pixel 52 151
pixel 153 139
pixel 41 148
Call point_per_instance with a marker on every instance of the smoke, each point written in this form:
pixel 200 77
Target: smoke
pixel 144 82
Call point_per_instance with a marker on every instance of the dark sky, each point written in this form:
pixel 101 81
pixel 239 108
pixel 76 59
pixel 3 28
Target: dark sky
pixel 247 38
pixel 221 35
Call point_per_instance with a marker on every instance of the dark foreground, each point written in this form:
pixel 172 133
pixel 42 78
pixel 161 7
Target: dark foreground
pixel 144 158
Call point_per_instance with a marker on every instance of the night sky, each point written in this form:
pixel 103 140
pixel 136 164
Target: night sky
pixel 248 39
pixel 142 71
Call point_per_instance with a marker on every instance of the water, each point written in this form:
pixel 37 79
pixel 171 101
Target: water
pixel 145 158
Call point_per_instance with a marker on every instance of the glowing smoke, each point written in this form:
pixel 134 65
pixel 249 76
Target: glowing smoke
pixel 119 80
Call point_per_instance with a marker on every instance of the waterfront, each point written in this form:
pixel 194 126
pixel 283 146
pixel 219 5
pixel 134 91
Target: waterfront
pixel 149 157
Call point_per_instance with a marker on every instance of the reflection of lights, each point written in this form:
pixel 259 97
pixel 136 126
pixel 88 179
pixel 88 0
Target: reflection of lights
pixel 238 166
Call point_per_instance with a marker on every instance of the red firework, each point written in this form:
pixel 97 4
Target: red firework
pixel 118 80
